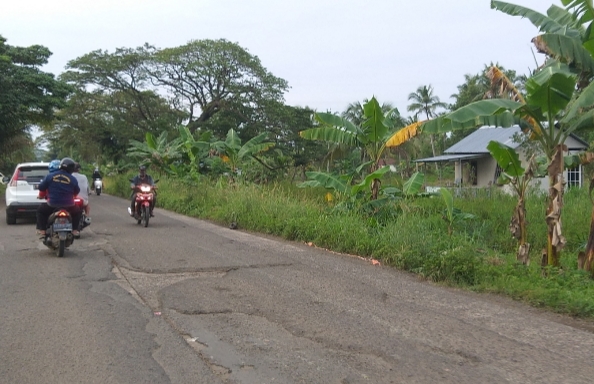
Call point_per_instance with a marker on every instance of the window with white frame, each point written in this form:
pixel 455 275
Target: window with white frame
pixel 574 177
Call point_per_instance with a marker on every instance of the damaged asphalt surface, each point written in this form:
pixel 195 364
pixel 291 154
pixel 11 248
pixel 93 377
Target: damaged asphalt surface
pixel 186 301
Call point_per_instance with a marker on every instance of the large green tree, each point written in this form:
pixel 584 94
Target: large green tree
pixel 28 96
pixel 206 84
pixel 205 77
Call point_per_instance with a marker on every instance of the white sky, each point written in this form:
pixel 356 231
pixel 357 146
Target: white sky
pixel 332 52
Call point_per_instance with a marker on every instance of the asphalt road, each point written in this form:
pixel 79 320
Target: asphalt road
pixel 185 301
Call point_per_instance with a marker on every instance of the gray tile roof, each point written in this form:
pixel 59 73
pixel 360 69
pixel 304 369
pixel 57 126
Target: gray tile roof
pixel 477 141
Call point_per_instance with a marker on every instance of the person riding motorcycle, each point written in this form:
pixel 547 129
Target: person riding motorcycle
pixel 96 174
pixel 59 188
pixel 83 184
pixel 142 178
pixel 54 165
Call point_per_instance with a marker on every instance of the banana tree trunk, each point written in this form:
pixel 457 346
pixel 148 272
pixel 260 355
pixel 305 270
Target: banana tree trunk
pixel 519 230
pixel 375 184
pixel 586 259
pixel 555 239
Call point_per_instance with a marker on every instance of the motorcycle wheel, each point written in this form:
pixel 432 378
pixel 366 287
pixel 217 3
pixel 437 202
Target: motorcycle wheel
pixel 144 215
pixel 61 247
pixel 98 191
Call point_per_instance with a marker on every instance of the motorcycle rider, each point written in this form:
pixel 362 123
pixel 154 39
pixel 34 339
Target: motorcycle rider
pixel 54 165
pixel 142 178
pixel 83 184
pixel 59 188
pixel 96 175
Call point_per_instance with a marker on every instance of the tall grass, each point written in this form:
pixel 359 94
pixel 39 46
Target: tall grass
pixel 408 234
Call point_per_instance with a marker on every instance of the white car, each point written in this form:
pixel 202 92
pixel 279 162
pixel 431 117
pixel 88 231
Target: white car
pixel 22 190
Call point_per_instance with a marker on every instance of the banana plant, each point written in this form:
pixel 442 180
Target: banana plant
pixel 194 150
pixel 234 153
pixel 451 214
pixel 549 93
pixel 518 178
pixel 370 136
pixel 343 186
pixel 158 152
pixel 565 35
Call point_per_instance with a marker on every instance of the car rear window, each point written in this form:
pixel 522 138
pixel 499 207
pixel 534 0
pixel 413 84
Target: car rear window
pixel 31 174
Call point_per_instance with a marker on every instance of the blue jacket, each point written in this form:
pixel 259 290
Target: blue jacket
pixel 61 188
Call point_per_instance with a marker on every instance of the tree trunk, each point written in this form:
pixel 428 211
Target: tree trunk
pixel 519 230
pixel 555 239
pixel 432 139
pixel 376 183
pixel 586 259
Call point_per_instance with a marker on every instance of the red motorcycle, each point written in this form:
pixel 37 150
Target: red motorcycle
pixel 145 195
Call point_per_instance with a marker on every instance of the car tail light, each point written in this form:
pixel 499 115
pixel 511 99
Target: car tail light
pixel 15 176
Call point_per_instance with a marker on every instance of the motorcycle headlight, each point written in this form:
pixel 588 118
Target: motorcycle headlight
pixel 145 188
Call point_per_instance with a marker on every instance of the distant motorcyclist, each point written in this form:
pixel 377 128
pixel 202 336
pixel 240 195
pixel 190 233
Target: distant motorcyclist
pixel 83 184
pixel 59 188
pixel 142 178
pixel 96 174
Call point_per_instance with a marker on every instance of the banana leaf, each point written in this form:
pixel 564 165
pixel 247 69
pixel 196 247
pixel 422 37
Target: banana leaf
pixel 326 180
pixel 366 183
pixel 413 185
pixel 331 134
pixel 374 129
pixel 543 22
pixel 507 158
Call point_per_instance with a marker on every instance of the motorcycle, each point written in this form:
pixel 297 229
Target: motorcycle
pixel 97 186
pixel 58 235
pixel 145 195
pixel 84 220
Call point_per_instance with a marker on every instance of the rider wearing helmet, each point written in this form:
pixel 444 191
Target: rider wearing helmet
pixel 54 165
pixel 142 178
pixel 59 188
pixel 83 184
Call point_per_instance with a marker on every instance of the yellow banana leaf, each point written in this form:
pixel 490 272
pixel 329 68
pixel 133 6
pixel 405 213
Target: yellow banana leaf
pixel 405 134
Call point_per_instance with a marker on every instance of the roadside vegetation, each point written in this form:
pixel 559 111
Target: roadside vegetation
pixel 410 234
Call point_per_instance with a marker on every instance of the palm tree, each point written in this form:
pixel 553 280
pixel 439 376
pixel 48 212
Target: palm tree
pixel 424 102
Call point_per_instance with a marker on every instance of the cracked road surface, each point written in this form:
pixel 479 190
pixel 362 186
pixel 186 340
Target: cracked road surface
pixel 185 301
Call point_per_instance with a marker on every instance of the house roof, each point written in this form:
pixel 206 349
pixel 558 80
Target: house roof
pixel 475 145
pixel 449 158
pixel 478 141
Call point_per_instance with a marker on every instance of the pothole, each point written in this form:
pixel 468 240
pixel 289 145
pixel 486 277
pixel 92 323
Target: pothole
pixel 145 286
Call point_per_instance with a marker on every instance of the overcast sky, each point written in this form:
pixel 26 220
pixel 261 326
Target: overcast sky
pixel 332 52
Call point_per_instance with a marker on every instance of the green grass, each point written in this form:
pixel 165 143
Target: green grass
pixel 410 234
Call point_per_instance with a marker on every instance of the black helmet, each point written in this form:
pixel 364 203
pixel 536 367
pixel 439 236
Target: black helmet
pixel 142 168
pixel 76 166
pixel 67 164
